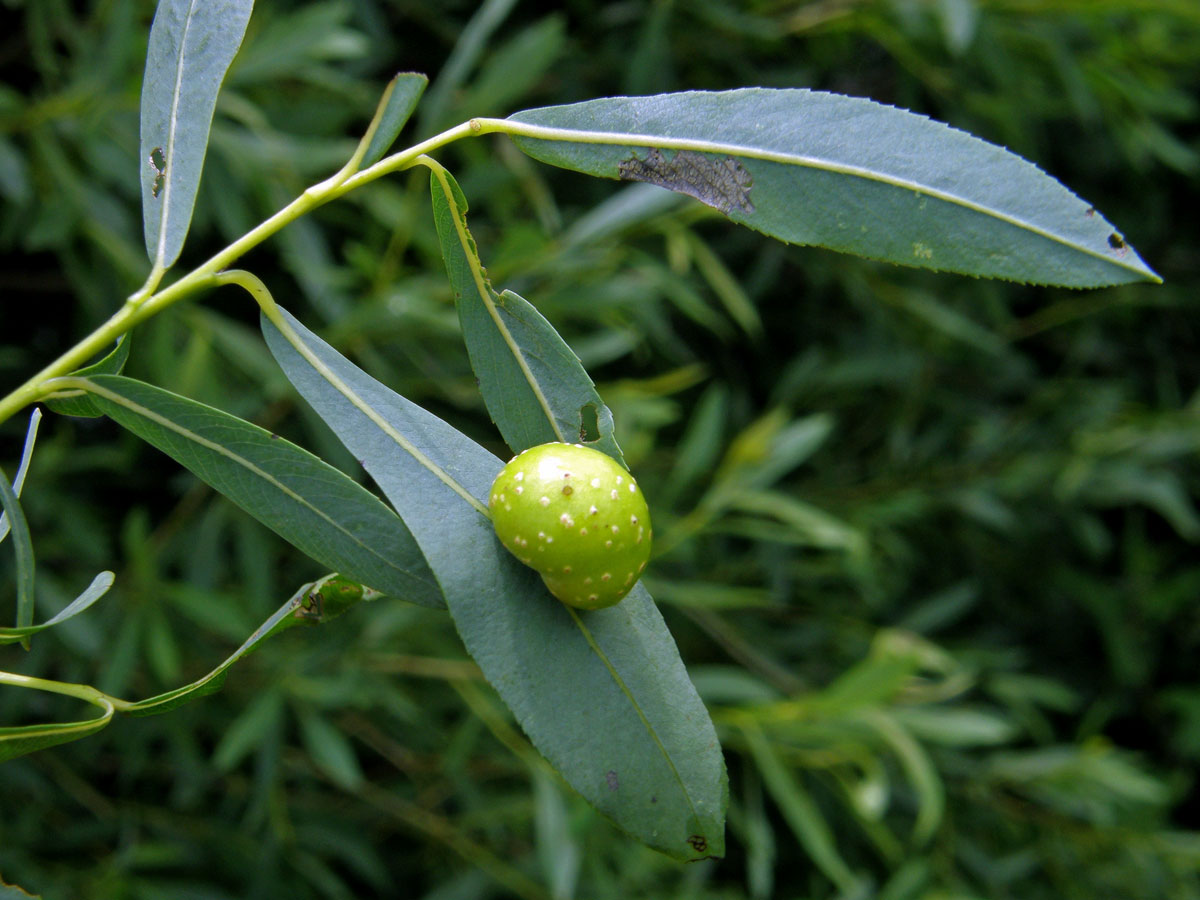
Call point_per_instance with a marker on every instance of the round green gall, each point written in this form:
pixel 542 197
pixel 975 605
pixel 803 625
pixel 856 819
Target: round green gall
pixel 577 517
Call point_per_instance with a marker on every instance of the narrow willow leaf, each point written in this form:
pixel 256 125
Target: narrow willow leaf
pixel 918 767
pixel 603 695
pixel 18 483
pixel 192 44
pixel 802 814
pixel 18 740
pixel 315 507
pixel 534 386
pixel 23 551
pixel 112 364
pixel 97 589
pixel 300 607
pixel 395 107
pixel 845 173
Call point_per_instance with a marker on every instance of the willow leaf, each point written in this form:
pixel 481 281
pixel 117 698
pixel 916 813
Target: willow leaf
pixel 313 506
pixel 113 363
pixel 396 106
pixel 192 44
pixel 18 482
pixel 533 384
pixel 846 173
pixel 23 551
pixel 603 694
pixel 303 606
pixel 18 740
pixel 97 589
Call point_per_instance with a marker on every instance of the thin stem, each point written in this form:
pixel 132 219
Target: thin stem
pixel 148 301
pixel 83 692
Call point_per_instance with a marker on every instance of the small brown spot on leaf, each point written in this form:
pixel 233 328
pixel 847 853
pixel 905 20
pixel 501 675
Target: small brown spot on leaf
pixel 611 778
pixel 1116 241
pixel 699 842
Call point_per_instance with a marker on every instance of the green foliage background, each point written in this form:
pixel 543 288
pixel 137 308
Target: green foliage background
pixel 928 544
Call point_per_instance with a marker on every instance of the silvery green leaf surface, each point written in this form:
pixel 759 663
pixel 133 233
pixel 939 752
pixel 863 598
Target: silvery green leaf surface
pixel 192 44
pixel 397 105
pixel 97 589
pixel 845 173
pixel 22 544
pixel 533 384
pixel 18 482
pixel 315 507
pixel 603 695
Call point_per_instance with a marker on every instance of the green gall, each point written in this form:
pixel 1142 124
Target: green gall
pixel 577 517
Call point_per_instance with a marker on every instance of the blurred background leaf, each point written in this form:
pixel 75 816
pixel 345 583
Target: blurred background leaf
pixel 996 530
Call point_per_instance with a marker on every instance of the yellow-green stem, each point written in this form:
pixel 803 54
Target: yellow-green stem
pixel 148 301
pixel 83 692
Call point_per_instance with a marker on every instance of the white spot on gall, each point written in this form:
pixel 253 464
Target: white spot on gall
pixel 520 476
pixel 633 488
pixel 566 570
pixel 615 529
pixel 583 531
pixel 633 520
pixel 593 598
pixel 595 482
pixel 614 494
pixel 545 501
pixel 620 480
pixel 519 489
pixel 567 520
pixel 608 545
pixel 588 580
pixel 607 576
pixel 592 510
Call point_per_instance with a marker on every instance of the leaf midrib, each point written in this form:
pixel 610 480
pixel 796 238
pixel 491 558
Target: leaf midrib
pixel 620 682
pixel 160 252
pixel 487 296
pixel 363 406
pixel 220 449
pixel 517 128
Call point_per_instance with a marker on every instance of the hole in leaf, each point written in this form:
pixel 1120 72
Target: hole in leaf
pixel 1116 241
pixel 589 424
pixel 159 161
